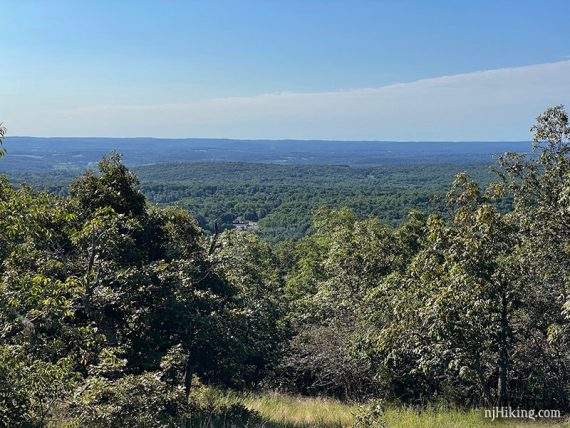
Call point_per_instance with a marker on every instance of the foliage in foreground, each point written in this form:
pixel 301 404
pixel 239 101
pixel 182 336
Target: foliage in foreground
pixel 112 310
pixel 472 310
pixel 106 301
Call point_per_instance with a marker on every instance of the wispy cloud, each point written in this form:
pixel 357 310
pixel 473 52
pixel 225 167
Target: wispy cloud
pixel 484 105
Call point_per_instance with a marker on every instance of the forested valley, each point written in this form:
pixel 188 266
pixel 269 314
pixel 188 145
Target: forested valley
pixel 122 305
pixel 278 201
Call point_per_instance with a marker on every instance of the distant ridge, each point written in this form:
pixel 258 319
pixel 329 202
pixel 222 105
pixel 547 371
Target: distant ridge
pixel 39 154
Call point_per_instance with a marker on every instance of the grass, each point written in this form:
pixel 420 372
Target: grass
pixel 301 411
pixel 285 411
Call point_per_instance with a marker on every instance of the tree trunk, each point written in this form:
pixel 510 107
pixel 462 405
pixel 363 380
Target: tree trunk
pixel 502 389
pixel 483 384
pixel 89 283
pixel 109 329
pixel 188 373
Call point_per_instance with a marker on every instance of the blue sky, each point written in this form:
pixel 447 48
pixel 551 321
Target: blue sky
pixel 399 70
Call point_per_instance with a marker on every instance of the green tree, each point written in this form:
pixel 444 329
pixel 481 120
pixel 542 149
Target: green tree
pixel 333 271
pixel 115 187
pixel 539 184
pixel 479 313
pixel 2 134
pixel 248 264
pixel 103 273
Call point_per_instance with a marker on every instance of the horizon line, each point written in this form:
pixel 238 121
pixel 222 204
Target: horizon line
pixel 261 139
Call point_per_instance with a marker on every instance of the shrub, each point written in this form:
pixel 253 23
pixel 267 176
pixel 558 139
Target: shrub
pixel 370 416
pixel 133 400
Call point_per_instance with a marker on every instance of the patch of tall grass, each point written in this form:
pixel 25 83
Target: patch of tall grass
pixel 277 410
pixel 302 411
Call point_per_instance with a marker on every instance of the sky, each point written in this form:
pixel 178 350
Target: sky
pixel 268 69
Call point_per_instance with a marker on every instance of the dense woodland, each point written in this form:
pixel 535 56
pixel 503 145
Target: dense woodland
pixel 115 311
pixel 280 199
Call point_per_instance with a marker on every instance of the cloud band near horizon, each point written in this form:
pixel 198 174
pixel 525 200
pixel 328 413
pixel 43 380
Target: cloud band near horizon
pixel 494 105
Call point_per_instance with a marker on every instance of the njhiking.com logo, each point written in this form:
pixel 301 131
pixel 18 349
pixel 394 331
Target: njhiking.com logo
pixel 510 413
